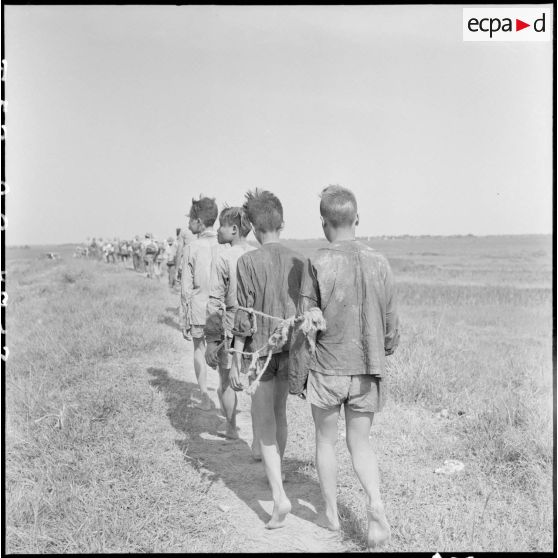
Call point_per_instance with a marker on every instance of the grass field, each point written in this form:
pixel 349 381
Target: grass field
pixel 93 463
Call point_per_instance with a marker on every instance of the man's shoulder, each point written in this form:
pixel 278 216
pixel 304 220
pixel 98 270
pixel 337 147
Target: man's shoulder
pixel 371 253
pixel 259 253
pixel 202 243
pixel 248 248
pixel 205 239
pixel 327 255
pixel 288 253
pixel 254 253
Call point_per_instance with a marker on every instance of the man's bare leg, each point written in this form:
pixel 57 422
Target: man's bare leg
pixel 256 451
pixel 227 399
pixel 201 372
pixel 366 469
pixel 325 421
pixel 280 408
pixel 263 402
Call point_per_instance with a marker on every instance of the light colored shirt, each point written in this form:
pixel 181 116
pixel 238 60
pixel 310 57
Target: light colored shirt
pixel 186 236
pixel 222 290
pixel 353 286
pixel 196 271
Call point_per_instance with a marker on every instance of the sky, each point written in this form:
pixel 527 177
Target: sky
pixel 118 115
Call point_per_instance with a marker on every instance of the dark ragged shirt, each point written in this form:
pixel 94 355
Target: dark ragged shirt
pixel 269 281
pixel 353 286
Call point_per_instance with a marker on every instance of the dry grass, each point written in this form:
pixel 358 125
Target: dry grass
pixel 93 465
pixel 483 353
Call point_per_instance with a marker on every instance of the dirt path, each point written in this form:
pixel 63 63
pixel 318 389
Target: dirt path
pixel 239 486
pixel 410 441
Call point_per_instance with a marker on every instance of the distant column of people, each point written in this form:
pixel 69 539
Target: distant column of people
pixel 157 259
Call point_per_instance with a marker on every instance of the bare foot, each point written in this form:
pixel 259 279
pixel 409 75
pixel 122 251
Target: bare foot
pixel 228 432
pixel 205 404
pixel 280 512
pixel 328 520
pixel 378 527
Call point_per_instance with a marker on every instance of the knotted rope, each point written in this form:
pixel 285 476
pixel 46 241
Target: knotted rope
pixel 310 322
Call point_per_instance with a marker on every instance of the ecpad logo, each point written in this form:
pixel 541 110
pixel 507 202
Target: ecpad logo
pixel 507 24
pixel 494 24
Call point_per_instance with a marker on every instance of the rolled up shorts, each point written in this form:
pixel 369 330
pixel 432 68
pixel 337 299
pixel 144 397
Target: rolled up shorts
pixel 361 393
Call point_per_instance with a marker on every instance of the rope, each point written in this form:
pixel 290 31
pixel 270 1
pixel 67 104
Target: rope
pixel 311 321
pixel 257 312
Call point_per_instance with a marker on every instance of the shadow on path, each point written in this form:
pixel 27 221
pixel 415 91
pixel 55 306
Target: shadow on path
pixel 230 460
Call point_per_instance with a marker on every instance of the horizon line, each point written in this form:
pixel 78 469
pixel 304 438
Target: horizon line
pixel 368 237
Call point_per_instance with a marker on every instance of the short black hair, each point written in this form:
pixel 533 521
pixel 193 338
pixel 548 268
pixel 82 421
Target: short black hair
pixel 178 229
pixel 204 209
pixel 264 210
pixel 338 206
pixel 236 216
